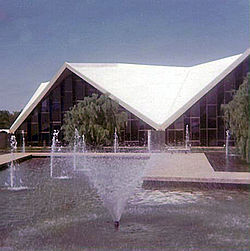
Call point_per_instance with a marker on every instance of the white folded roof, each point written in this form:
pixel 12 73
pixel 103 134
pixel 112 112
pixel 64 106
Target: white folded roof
pixel 156 94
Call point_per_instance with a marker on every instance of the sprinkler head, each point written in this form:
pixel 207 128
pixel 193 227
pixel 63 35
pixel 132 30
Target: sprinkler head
pixel 116 224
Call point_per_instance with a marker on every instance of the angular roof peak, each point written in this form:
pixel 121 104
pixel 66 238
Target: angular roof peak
pixel 156 94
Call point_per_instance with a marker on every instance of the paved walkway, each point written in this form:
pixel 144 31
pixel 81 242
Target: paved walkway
pixel 6 158
pixel 165 167
pixel 190 167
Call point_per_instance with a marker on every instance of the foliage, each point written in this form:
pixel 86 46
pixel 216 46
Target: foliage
pixel 7 118
pixel 96 118
pixel 236 117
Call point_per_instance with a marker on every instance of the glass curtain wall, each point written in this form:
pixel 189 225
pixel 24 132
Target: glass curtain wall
pixel 205 118
pixel 48 115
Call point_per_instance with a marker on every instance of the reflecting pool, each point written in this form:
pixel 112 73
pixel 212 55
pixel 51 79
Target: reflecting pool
pixel 68 214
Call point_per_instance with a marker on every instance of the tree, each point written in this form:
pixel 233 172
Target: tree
pixel 236 117
pixel 96 118
pixel 7 118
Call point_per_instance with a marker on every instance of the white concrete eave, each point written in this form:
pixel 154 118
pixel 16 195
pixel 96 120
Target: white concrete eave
pixel 205 90
pixel 35 99
pixel 110 95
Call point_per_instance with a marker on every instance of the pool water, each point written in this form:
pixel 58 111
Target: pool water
pixel 68 214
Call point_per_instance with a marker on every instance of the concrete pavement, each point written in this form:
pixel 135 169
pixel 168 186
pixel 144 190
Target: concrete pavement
pixel 164 167
pixel 190 167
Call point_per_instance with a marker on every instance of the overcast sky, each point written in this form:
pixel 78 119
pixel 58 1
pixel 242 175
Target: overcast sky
pixel 38 36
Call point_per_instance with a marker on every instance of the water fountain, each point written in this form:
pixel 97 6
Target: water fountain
pixel 227 143
pixel 115 179
pixel 83 143
pixel 149 140
pixel 13 145
pixel 62 215
pixel 23 138
pixel 187 138
pixel 53 150
pixel 116 145
pixel 15 183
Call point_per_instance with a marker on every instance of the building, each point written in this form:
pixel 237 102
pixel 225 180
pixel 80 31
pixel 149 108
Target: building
pixel 4 138
pixel 155 97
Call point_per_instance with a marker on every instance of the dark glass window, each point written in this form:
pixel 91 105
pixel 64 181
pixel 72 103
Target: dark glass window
pixel 203 137
pixel 228 97
pixel 220 93
pixel 211 110
pixel 45 105
pixel 34 132
pixel 187 113
pixel 203 117
pixel 179 123
pixel 143 125
pixel 212 96
pixel 211 122
pixel 56 112
pixel 179 137
pixel 142 137
pixel 229 82
pixel 56 94
pixel 221 131
pixel 68 84
pixel 171 126
pixel 24 126
pixel 34 116
pixel 171 137
pixel 228 86
pixel 203 101
pixel 121 137
pixel 195 110
pixel 212 137
pixel 133 116
pixel 45 122
pixel 45 139
pixel 79 90
pixel 134 130
pixel 195 129
pixel 220 110
pixel 186 122
pixel 90 90
pixel 128 131
pixel 67 101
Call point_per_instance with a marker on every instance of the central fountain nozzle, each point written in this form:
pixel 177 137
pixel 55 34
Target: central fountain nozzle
pixel 116 224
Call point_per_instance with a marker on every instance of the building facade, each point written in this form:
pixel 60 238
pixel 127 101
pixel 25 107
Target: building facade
pixel 204 118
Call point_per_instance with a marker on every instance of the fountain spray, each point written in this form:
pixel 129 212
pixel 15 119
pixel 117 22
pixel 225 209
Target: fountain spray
pixel 13 145
pixel 83 144
pixel 149 141
pixel 53 149
pixel 115 141
pixel 227 142
pixel 23 141
pixel 187 137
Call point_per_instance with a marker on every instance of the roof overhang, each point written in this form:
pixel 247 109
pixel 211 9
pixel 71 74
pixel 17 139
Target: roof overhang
pixel 45 87
pixel 205 90
pixel 122 103
pixel 35 99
